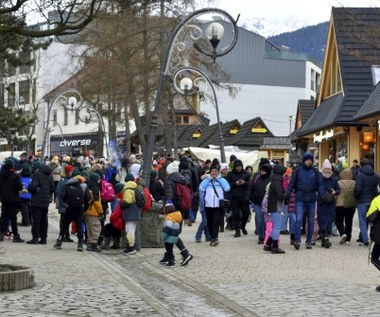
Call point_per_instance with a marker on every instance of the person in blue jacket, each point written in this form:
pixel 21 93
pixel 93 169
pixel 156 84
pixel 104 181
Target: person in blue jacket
pixel 211 191
pixel 307 184
pixel 25 196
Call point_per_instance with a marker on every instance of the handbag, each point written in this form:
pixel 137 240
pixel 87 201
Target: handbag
pixel 223 203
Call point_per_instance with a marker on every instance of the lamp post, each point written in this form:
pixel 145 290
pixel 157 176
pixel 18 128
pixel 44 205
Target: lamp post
pixel 71 97
pixel 186 36
pixel 91 108
pixel 290 138
pixel 184 85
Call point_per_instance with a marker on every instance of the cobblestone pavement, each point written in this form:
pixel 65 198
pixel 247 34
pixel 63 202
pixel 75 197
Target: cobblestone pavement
pixel 235 278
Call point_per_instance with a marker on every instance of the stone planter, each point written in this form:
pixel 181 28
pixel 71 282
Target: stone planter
pixel 14 278
pixel 151 227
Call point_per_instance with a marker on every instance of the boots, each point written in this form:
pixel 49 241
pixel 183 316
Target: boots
pixel 106 244
pixel 33 241
pixel 186 257
pixel 276 249
pixel 165 259
pixel 80 246
pixel 326 243
pixel 116 243
pixel 58 244
pixel 1 236
pixel 171 262
pixel 18 239
pixel 292 239
pixel 237 233
pixel 93 247
pixel 268 244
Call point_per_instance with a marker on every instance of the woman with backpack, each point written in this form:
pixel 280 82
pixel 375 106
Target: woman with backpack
pixel 345 206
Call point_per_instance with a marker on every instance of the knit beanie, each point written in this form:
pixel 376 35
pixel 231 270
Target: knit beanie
pixel 129 177
pixel 95 177
pixel 169 207
pixel 75 172
pixel 172 167
pixel 326 164
pixel 9 163
pixel 68 169
pixel 119 187
pixel 307 156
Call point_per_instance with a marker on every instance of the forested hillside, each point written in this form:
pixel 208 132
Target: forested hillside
pixel 310 40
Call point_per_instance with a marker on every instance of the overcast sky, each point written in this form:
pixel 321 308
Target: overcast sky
pixel 299 12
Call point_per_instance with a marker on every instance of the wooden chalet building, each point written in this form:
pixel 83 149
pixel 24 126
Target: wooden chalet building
pixel 345 121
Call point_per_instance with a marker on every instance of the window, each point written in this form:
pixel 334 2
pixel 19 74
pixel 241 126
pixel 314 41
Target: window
pixel 375 74
pixel 55 118
pixel 11 94
pixel 24 92
pixel 185 120
pixel 76 116
pixel 65 116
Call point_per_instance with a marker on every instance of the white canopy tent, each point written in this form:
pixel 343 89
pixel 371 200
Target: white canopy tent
pixel 251 158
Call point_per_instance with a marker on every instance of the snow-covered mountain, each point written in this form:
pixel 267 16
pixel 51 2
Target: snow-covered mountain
pixel 268 29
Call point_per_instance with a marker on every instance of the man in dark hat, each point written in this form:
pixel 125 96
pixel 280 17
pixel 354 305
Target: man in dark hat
pixel 10 185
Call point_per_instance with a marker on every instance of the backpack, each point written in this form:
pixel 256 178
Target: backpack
pixel 182 197
pixel 74 195
pixel 186 173
pixel 148 199
pixel 107 192
pixel 140 198
pixel 349 200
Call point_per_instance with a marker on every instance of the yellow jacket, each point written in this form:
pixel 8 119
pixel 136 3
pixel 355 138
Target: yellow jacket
pixel 95 208
pixel 174 216
pixel 375 206
pixel 128 194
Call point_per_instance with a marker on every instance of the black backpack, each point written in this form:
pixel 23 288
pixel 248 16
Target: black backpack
pixel 74 195
pixel 140 198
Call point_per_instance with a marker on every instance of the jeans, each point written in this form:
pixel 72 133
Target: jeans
pixel 292 222
pixel 301 208
pixel 276 220
pixel 284 218
pixel 203 227
pixel 362 212
pixel 259 218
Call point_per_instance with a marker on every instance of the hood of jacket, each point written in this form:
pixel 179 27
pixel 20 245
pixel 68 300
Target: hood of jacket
pixel 367 170
pixel 279 169
pixel 346 174
pixel 6 172
pixel 236 164
pixel 45 169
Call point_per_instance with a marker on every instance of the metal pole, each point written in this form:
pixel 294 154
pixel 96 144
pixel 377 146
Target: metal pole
pixel 163 71
pixel 290 139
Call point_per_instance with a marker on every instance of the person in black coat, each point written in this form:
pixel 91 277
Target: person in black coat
pixel 238 179
pixel 156 186
pixel 257 192
pixel 276 198
pixel 42 188
pixel 10 185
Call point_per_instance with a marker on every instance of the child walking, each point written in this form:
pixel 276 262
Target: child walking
pixel 170 232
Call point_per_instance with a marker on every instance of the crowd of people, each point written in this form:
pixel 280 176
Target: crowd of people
pixel 292 200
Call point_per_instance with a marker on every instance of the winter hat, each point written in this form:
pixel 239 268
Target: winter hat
pixel 238 163
pixel 9 163
pixel 97 167
pixel 129 177
pixel 24 155
pixel 223 166
pixel 95 177
pixel 326 164
pixel 307 156
pixel 233 158
pixel 153 174
pixel 26 170
pixel 119 187
pixel 279 169
pixel 267 168
pixel 169 207
pixel 84 173
pixel 172 167
pixel 75 172
pixel 263 161
pixel 135 170
pixel 36 165
pixel 68 169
